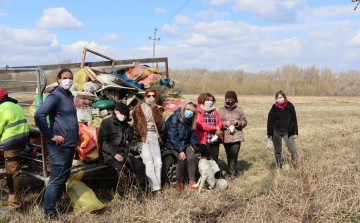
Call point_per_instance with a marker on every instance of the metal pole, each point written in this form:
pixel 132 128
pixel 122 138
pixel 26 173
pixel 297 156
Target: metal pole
pixel 154 45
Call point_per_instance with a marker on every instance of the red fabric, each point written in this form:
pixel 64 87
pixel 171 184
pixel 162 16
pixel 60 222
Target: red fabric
pixel 171 105
pixel 202 128
pixel 134 72
pixel 149 80
pixel 282 105
pixel 3 92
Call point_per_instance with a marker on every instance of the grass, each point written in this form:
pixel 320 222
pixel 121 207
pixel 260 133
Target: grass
pixel 325 187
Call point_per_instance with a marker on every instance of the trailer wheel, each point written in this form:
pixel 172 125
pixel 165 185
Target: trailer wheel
pixel 170 170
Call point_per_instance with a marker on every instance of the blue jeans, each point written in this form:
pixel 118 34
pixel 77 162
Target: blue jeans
pixel 60 164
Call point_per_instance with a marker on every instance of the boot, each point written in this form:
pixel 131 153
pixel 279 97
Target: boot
pixel 179 187
pixel 191 185
pixel 278 161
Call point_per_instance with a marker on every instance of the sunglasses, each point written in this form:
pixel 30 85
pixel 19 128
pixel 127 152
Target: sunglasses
pixel 150 95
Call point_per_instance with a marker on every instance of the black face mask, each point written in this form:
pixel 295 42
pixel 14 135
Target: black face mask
pixel 230 103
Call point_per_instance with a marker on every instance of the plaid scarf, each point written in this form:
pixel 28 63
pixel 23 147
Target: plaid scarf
pixel 210 119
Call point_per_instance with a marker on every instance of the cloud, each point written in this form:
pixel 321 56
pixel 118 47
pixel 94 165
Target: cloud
pixel 107 38
pixel 170 30
pixel 282 11
pixel 327 12
pixel 218 2
pixel 183 20
pixel 355 41
pixel 160 10
pixel 2 13
pixel 242 67
pixel 211 14
pixel 58 18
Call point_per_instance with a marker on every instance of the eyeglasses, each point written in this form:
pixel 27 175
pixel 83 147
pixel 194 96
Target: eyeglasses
pixel 151 95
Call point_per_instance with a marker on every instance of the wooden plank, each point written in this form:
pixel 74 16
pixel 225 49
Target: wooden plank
pixel 96 64
pixel 96 53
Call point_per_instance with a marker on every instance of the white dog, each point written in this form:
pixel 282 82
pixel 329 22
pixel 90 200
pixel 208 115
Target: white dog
pixel 209 171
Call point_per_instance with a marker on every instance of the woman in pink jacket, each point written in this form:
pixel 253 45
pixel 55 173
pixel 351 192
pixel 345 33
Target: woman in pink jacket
pixel 208 124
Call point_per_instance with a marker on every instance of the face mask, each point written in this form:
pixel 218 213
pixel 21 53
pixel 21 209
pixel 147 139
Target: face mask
pixel 66 83
pixel 120 117
pixel 209 104
pixel 280 100
pixel 230 103
pixel 147 101
pixel 188 114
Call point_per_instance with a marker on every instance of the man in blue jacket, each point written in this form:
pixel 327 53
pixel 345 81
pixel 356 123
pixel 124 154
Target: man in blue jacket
pixel 62 139
pixel 14 135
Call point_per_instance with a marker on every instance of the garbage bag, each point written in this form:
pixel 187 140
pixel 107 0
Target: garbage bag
pixel 270 144
pixel 83 199
pixel 80 78
pixel 88 149
pixel 32 109
pixel 103 104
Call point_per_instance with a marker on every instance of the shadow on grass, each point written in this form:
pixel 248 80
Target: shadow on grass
pixel 242 166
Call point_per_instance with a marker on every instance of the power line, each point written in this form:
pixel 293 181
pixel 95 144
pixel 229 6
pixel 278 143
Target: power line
pixel 143 43
pixel 176 24
pixel 174 14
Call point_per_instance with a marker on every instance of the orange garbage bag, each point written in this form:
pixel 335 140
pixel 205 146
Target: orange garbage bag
pixel 88 149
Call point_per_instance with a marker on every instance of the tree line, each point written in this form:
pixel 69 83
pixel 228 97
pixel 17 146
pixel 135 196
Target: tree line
pixel 292 79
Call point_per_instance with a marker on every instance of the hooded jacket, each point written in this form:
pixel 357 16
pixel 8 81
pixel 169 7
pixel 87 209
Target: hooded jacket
pixel 14 130
pixel 289 118
pixel 178 134
pixel 113 138
pixel 60 108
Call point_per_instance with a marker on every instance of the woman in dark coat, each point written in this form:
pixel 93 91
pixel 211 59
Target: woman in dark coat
pixel 179 136
pixel 282 124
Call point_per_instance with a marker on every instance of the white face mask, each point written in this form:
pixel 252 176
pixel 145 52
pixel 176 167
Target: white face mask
pixel 66 83
pixel 147 101
pixel 209 104
pixel 120 117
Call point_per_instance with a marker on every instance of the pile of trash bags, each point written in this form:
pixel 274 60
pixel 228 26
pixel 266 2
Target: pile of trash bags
pixel 96 91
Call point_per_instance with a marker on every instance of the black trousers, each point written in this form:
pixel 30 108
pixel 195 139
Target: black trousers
pixel 232 152
pixel 214 148
pixel 135 166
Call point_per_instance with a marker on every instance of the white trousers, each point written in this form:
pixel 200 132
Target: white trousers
pixel 151 156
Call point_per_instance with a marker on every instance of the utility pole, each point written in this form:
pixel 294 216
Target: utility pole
pixel 154 39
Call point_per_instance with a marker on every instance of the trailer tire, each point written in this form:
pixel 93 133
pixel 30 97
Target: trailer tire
pixel 169 167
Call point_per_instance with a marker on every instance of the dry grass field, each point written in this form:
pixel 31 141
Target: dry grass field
pixel 325 187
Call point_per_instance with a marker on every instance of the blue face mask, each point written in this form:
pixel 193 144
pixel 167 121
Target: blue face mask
pixel 280 100
pixel 188 114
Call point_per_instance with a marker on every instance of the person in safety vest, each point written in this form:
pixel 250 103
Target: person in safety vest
pixel 14 136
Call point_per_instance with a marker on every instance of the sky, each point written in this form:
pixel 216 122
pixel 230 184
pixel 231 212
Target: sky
pixel 252 35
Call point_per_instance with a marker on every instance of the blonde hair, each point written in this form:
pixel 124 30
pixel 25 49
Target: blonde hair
pixel 194 109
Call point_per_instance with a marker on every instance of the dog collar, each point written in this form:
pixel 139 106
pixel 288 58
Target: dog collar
pixel 205 157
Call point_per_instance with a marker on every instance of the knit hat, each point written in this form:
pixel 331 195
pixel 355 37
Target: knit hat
pixel 121 107
pixel 231 94
pixel 3 92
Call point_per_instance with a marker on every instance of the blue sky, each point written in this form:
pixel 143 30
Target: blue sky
pixel 215 34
